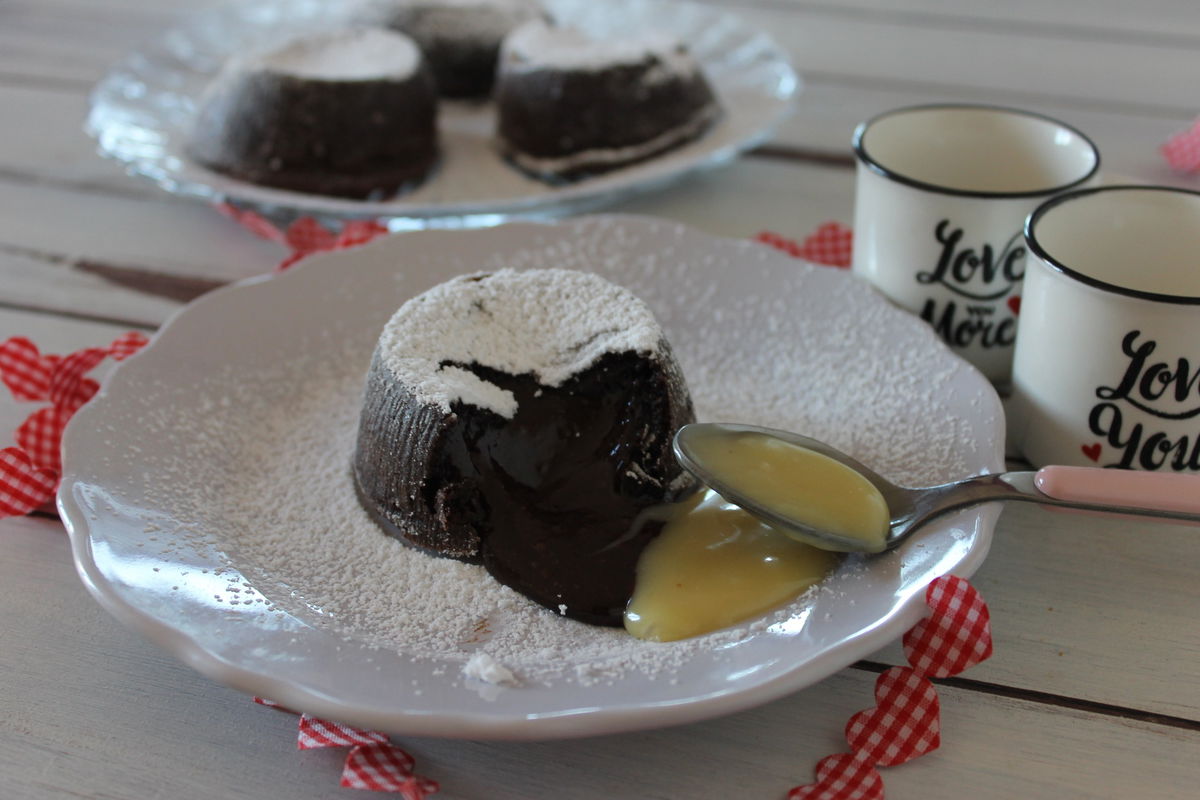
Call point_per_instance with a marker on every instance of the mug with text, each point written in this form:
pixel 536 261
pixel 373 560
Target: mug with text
pixel 942 193
pixel 1107 367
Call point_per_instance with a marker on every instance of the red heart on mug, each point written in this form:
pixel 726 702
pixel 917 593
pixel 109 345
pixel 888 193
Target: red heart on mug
pixel 844 776
pixel 903 725
pixel 1014 304
pixel 1092 451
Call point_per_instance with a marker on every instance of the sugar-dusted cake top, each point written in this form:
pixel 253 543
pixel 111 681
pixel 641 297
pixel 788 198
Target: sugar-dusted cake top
pixel 538 45
pixel 552 323
pixel 456 20
pixel 346 55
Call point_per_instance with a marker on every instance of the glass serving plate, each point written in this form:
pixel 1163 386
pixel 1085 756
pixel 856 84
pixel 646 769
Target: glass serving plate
pixel 142 110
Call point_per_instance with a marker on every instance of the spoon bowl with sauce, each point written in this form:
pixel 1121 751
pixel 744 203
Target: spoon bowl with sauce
pixel 821 496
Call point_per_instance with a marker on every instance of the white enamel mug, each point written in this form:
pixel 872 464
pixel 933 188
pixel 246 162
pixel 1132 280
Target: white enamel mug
pixel 942 193
pixel 1107 367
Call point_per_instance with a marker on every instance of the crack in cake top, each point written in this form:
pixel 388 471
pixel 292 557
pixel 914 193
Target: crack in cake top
pixel 551 323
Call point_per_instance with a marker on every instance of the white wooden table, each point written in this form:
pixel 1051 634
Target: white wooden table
pixel 1094 688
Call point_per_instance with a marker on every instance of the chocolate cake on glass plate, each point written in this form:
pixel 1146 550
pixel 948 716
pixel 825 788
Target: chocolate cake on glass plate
pixel 351 113
pixel 569 105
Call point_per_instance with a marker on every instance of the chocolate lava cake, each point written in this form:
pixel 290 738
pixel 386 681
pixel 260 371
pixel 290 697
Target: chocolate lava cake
pixel 569 106
pixel 460 38
pixel 523 420
pixel 348 114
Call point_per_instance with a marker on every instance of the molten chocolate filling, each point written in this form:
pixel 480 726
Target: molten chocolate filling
pixel 554 493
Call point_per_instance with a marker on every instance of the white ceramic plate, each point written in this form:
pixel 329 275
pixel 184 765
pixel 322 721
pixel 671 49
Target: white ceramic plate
pixel 156 470
pixel 142 110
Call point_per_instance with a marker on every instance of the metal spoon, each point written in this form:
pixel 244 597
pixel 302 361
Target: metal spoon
pixel 1152 494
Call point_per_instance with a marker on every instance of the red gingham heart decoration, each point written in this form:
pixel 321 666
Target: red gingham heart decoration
pixel 789 246
pixel 126 345
pixel 69 389
pixel 318 733
pixel 956 636
pixel 306 235
pixel 29 472
pixel 1182 151
pixel 830 244
pixel 262 701
pixel 24 370
pixel 904 723
pixel 255 223
pixel 40 436
pixel 384 768
pixel 373 763
pixel 359 232
pixel 24 487
pixel 844 776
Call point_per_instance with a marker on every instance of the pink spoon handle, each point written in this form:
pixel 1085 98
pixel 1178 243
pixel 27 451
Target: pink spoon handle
pixel 1165 491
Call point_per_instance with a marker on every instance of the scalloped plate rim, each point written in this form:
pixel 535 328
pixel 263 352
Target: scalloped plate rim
pixel 548 203
pixel 567 724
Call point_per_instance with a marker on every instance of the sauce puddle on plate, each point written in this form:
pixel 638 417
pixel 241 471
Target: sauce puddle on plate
pixel 714 565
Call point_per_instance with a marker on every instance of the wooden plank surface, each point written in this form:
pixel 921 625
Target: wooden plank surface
pixel 179 735
pixel 1169 20
pixel 1092 691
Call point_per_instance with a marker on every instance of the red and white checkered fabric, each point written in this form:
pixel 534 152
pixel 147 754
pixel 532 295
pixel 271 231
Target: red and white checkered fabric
pixel 1182 151
pixel 24 486
pixel 305 235
pixel 384 768
pixel 40 436
pixel 69 388
pixel 262 701
pixel 843 776
pixel 830 244
pixel 317 733
pixel 255 223
pixel 372 764
pixel 126 345
pixel 24 370
pixel 360 232
pixel 957 634
pixel 28 480
pixel 904 723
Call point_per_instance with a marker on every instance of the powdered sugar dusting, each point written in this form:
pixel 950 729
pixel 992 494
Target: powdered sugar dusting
pixel 294 522
pixel 537 45
pixel 455 22
pixel 485 668
pixel 238 462
pixel 355 54
pixel 552 323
